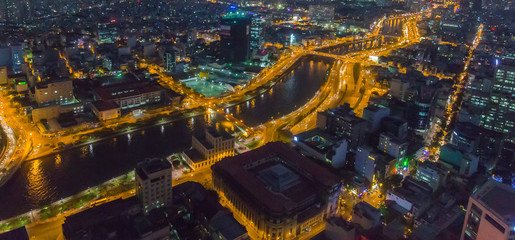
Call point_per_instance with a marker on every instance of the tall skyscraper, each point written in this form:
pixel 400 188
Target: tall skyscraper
pixel 169 60
pixel 16 57
pixel 419 118
pixel 256 31
pixel 235 37
pixel 490 213
pixel 154 183
pixel 500 110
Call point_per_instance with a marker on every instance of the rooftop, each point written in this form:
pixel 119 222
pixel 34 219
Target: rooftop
pixel 105 105
pixel 499 198
pixel 40 85
pixel 194 155
pixel 275 166
pixel 124 90
pixel 215 133
pixel 375 107
pixel 317 139
pixel 152 165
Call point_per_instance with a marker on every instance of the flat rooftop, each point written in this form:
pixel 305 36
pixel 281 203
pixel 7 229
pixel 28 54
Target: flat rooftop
pixel 275 177
pixel 499 198
pixel 375 107
pixel 215 133
pixel 123 90
pixel 105 105
pixel 152 165
pixel 317 139
pixel 194 155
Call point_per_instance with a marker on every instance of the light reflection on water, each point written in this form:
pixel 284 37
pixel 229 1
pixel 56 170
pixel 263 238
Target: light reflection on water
pixel 37 187
pixel 44 181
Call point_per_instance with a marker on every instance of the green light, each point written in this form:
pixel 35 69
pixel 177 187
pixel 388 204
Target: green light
pixel 22 83
pixel 405 162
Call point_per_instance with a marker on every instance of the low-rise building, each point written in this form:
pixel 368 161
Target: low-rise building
pixel 322 146
pixel 130 95
pixel 343 124
pixel 392 146
pixel 277 192
pixel 118 219
pixel 366 215
pixel 458 162
pixel 58 91
pixel 209 148
pixel 105 110
pixel 54 110
pixel 431 173
pixel 365 162
pixel 414 197
pixel 337 228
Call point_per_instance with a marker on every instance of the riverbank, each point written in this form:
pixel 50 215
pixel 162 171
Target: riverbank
pixel 122 186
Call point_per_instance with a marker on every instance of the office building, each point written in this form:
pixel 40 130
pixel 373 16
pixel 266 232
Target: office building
pixel 16 58
pixel 392 146
pixel 490 213
pixel 154 183
pixel 342 123
pixel 431 173
pixel 473 139
pixel 322 146
pixel 257 38
pixel 373 114
pixel 235 37
pixel 459 162
pixel 395 126
pixel 169 61
pixel 365 162
pixel 420 110
pixel 277 192
pixel 209 148
pixel 58 91
pixel 499 112
pixel 398 88
pixel 107 32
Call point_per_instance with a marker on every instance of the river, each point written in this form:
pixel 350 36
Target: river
pixel 48 179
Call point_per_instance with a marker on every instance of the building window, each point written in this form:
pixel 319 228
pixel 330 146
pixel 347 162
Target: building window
pixel 495 223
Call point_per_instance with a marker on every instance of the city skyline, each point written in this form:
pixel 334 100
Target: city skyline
pixel 293 119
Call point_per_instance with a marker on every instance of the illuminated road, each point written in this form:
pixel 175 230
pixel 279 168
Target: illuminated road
pixel 441 136
pixel 339 88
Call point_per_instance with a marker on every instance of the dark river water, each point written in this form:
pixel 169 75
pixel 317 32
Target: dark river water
pixel 45 180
